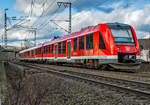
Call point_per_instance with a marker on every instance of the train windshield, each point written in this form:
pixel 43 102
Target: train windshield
pixel 122 35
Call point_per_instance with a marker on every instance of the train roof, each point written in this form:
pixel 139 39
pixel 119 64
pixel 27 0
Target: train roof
pixel 116 23
pixel 30 49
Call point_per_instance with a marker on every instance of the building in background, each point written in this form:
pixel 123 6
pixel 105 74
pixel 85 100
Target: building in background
pixel 145 49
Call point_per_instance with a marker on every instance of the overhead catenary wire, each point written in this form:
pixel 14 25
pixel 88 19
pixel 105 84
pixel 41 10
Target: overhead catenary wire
pixel 43 6
pixel 39 18
pixel 41 13
pixel 32 8
pixel 9 21
pixel 46 22
pixel 59 26
pixel 47 19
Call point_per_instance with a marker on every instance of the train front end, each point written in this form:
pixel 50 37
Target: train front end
pixel 126 46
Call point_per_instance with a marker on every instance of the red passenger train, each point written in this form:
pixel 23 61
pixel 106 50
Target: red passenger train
pixel 111 44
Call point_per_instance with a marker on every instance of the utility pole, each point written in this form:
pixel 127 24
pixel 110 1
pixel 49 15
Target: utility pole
pixel 2 39
pixel 70 15
pixel 5 27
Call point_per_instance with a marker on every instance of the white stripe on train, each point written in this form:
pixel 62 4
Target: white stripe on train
pixel 81 57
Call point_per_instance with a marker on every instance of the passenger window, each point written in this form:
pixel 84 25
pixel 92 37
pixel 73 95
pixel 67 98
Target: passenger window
pixel 49 50
pixel 40 50
pixel 101 42
pixel 47 47
pixel 81 43
pixel 89 41
pixel 28 53
pixel 75 44
pixel 35 51
pixel 32 53
pixel 59 48
pixel 64 47
pixel 52 48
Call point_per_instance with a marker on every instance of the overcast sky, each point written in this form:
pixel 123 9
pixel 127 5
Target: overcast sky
pixel 84 13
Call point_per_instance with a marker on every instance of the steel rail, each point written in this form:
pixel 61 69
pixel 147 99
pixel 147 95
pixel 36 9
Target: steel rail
pixel 99 76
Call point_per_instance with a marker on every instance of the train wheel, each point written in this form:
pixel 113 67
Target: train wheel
pixel 59 63
pixel 92 64
pixel 103 67
pixel 89 64
pixel 96 64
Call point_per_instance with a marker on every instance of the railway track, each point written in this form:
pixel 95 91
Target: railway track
pixel 126 86
pixel 112 72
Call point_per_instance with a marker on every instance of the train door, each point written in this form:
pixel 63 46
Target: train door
pixel 69 49
pixel 55 50
pixel 41 51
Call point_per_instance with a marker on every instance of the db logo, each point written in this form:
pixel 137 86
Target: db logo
pixel 127 49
